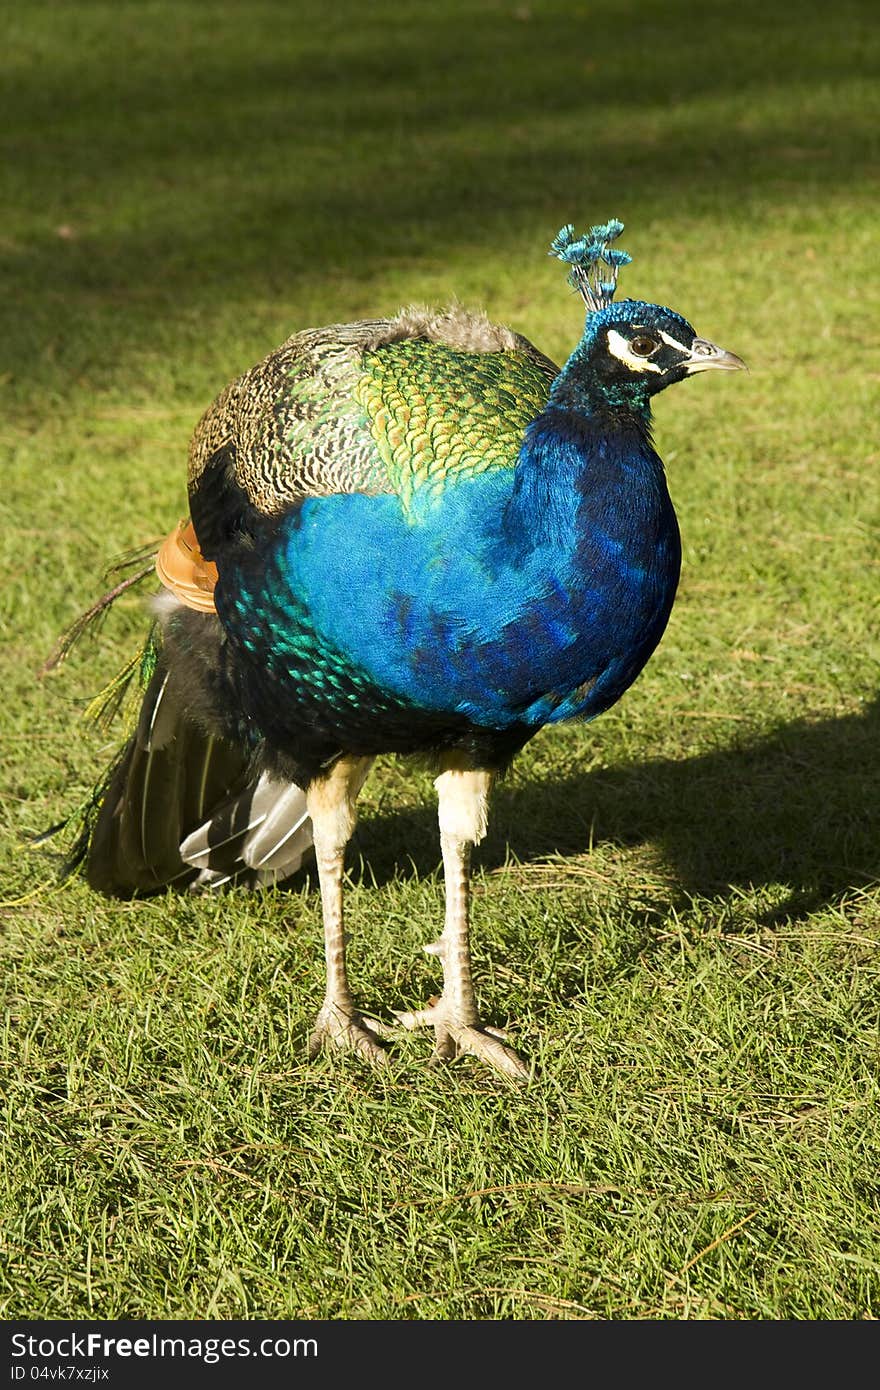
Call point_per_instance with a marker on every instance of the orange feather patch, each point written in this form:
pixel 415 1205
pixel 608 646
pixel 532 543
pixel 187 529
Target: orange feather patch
pixel 183 569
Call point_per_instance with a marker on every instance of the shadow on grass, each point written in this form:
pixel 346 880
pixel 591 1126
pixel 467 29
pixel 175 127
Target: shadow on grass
pixel 799 808
pixel 226 158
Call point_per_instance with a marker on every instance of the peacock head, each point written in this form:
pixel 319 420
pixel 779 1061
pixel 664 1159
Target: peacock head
pixel 630 350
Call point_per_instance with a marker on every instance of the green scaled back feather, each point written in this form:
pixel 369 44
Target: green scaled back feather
pixel 398 405
pixel 439 415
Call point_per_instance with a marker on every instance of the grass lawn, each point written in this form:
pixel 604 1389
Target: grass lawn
pixel 676 912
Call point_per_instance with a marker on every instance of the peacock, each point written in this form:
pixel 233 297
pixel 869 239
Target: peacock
pixel 412 535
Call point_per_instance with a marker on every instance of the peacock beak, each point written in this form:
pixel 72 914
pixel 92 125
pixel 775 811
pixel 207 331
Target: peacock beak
pixel 704 356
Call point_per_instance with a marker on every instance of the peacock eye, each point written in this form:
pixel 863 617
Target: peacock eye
pixel 643 345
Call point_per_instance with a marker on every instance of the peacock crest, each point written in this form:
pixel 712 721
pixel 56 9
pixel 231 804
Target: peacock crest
pixel 594 262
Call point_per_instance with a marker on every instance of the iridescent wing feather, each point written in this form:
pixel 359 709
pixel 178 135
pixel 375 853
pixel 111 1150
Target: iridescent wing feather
pixel 379 406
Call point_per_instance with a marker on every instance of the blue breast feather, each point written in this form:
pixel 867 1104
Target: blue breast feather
pixel 530 595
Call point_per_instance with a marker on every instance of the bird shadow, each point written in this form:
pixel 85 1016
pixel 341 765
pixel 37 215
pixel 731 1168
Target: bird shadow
pixel 796 808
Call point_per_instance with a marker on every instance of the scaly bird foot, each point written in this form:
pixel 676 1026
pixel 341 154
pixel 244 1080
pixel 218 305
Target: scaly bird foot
pixel 455 1039
pixel 348 1032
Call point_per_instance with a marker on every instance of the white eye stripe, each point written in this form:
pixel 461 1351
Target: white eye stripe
pixel 671 342
pixel 619 348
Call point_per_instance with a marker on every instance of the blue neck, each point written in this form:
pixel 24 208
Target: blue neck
pixel 584 469
pixel 591 384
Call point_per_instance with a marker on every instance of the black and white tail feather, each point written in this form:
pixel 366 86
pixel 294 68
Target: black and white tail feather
pixel 262 834
pixel 185 801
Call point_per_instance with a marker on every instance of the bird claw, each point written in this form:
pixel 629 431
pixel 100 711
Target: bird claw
pixel 484 1043
pixel 348 1032
pixel 417 1018
pixel 380 1029
pixel 455 1039
pixel 353 1032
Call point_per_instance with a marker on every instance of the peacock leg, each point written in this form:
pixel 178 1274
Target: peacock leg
pixel 331 804
pixel 463 811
